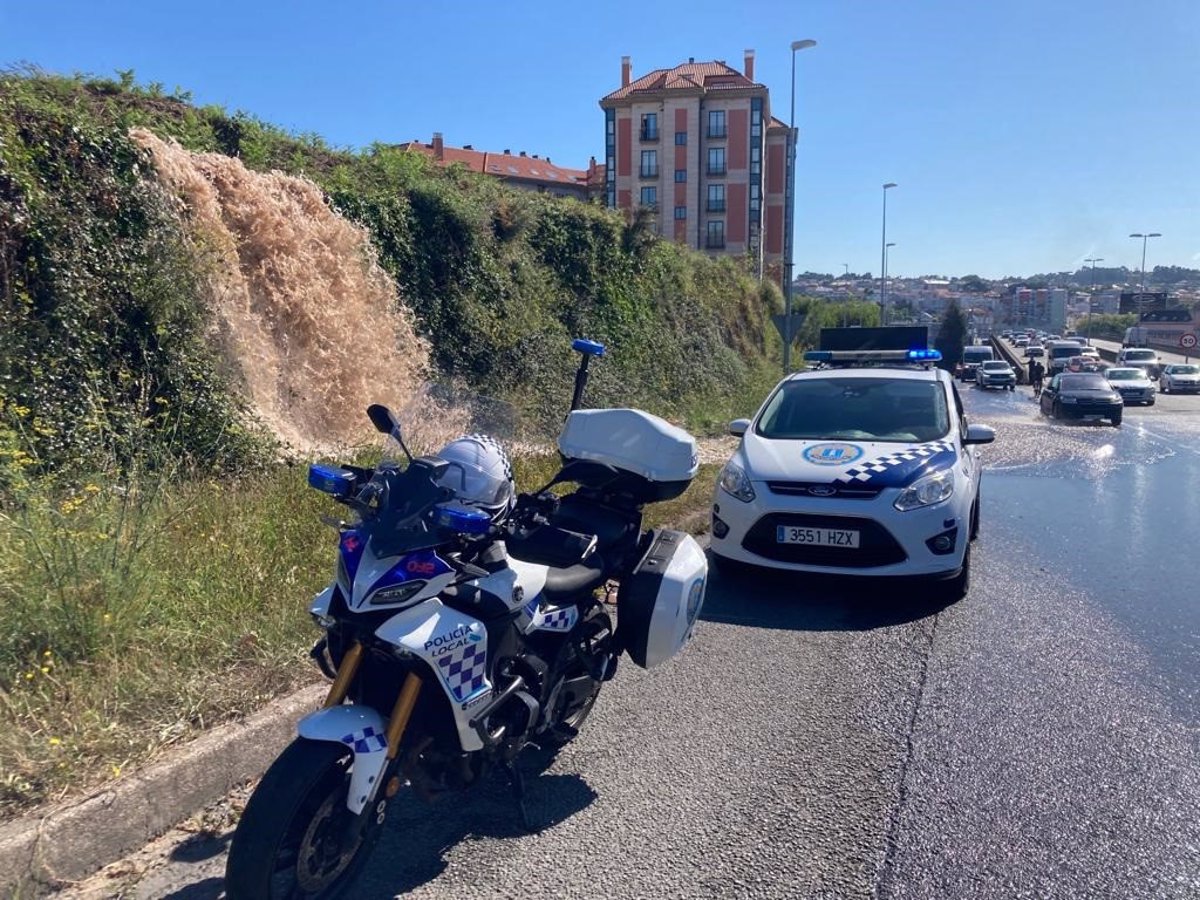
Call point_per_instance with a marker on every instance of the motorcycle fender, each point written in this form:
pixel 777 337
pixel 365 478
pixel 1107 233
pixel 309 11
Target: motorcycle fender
pixel 363 730
pixel 455 646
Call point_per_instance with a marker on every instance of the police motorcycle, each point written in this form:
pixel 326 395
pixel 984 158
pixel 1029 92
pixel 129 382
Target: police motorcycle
pixel 463 625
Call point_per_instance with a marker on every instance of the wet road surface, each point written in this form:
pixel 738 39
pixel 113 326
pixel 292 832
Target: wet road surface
pixel 1038 739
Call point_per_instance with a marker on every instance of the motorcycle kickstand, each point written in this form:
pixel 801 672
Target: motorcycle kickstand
pixel 517 782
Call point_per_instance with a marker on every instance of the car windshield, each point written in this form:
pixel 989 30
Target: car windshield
pixel 1125 374
pixel 995 366
pixel 1184 370
pixel 1084 382
pixel 865 409
pixel 1138 355
pixel 1061 352
pixel 976 355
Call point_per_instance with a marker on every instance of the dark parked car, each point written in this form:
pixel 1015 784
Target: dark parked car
pixel 1082 395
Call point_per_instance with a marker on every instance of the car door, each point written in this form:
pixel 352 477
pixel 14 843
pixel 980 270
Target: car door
pixel 1049 392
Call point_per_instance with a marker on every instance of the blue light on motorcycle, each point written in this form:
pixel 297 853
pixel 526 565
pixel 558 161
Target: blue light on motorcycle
pixel 591 348
pixel 463 519
pixel 332 480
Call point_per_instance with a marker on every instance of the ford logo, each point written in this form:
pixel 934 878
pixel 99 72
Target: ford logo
pixel 822 490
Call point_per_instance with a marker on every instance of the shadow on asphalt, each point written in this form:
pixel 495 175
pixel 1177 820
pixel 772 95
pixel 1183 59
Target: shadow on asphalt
pixel 801 602
pixel 412 849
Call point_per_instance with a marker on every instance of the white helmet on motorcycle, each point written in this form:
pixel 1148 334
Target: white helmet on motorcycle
pixel 480 474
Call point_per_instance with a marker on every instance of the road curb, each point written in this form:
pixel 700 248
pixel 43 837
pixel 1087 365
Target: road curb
pixel 75 839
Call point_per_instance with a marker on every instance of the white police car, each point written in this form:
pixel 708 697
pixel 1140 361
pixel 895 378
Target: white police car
pixel 865 466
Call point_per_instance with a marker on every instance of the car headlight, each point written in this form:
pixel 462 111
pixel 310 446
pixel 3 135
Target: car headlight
pixel 926 492
pixel 736 483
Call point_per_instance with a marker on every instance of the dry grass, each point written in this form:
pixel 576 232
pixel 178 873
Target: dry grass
pixel 136 617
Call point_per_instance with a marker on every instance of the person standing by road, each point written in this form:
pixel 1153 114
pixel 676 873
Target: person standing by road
pixel 1036 373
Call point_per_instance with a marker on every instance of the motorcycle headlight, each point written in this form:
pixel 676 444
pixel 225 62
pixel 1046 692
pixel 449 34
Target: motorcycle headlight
pixel 736 483
pixel 927 491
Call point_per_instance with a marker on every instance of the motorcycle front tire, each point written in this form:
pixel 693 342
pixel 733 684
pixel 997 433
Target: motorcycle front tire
pixel 288 841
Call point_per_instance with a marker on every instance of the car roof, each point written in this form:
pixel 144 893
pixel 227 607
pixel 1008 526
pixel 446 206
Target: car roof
pixel 909 372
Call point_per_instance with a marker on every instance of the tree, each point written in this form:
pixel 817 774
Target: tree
pixel 973 284
pixel 952 336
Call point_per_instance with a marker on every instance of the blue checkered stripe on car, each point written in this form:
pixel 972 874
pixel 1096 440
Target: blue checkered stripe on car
pixel 882 467
pixel 556 619
pixel 366 740
pixel 464 669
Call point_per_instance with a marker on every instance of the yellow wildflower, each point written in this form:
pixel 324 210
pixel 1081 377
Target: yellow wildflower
pixel 54 742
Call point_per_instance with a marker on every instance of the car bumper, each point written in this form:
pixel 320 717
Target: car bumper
pixel 997 382
pixel 1137 396
pixel 1081 411
pixel 892 543
pixel 1190 387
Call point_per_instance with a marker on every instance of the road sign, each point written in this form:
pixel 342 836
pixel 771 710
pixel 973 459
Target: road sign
pixel 1187 341
pixel 797 324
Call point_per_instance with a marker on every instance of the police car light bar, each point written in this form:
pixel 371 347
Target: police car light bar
pixel 861 356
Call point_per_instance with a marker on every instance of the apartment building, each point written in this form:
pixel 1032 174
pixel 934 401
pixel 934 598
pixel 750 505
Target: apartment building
pixel 518 170
pixel 697 144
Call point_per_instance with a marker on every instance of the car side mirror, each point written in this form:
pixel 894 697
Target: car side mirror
pixel 738 427
pixel 979 434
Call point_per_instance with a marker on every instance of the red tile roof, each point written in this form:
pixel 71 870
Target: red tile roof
pixel 686 77
pixel 503 165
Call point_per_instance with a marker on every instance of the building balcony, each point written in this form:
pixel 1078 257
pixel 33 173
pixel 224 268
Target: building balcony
pixel 715 171
pixel 715 243
pixel 648 173
pixel 716 134
pixel 649 135
pixel 716 206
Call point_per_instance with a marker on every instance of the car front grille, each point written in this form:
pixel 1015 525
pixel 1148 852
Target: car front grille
pixel 822 490
pixel 876 546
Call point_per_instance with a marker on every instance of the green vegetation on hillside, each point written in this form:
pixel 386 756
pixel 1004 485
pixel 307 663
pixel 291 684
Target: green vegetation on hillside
pixel 107 316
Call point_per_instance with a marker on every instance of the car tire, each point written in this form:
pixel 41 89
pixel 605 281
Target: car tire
pixel 1166 389
pixel 1056 410
pixel 956 588
pixel 1116 420
pixel 729 568
pixel 975 517
pixel 1149 402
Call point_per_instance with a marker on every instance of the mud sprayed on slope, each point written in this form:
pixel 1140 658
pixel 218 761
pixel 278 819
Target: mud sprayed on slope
pixel 307 321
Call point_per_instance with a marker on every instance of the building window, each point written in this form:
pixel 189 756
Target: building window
pixel 680 176
pixel 716 160
pixel 650 127
pixel 649 164
pixel 681 139
pixel 681 212
pixel 716 235
pixel 716 198
pixel 716 123
pixel 610 158
pixel 650 197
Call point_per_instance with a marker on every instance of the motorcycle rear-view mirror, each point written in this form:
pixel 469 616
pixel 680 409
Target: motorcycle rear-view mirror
pixel 383 419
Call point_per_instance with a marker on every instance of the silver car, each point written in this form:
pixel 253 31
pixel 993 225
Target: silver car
pixel 1133 384
pixel 1180 379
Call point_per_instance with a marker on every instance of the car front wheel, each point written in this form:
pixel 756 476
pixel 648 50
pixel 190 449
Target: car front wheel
pixel 956 588
pixel 1116 420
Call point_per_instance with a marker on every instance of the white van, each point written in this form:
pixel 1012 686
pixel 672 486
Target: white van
pixel 972 357
pixel 1137 336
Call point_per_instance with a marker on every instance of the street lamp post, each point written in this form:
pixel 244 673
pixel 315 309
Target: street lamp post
pixel 1092 294
pixel 1142 297
pixel 883 256
pixel 886 247
pixel 790 211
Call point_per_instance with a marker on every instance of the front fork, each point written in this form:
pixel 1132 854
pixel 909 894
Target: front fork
pixel 362 729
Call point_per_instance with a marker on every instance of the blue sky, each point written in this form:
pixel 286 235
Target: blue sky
pixel 1024 135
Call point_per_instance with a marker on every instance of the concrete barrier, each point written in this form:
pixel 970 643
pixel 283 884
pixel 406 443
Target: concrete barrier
pixel 1008 354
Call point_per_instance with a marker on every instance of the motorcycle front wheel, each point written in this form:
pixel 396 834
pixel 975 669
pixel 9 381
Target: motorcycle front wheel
pixel 294 839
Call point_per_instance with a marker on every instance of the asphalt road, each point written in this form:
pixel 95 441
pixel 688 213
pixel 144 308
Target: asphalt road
pixel 1038 739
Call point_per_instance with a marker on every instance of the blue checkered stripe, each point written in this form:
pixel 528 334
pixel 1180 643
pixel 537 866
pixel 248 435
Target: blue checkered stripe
pixel 877 469
pixel 464 669
pixel 562 619
pixel 366 740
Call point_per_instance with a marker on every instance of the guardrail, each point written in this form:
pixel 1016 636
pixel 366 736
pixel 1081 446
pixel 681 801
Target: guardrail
pixel 1008 354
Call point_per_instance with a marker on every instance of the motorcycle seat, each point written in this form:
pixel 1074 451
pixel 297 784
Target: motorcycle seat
pixel 562 583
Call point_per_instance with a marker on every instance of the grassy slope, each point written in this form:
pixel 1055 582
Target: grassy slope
pixel 142 605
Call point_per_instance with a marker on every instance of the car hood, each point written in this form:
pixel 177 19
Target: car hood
pixel 868 463
pixel 1137 384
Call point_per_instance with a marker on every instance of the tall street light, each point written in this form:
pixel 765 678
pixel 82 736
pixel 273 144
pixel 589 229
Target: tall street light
pixel 790 211
pixel 1142 298
pixel 1092 293
pixel 886 247
pixel 883 256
